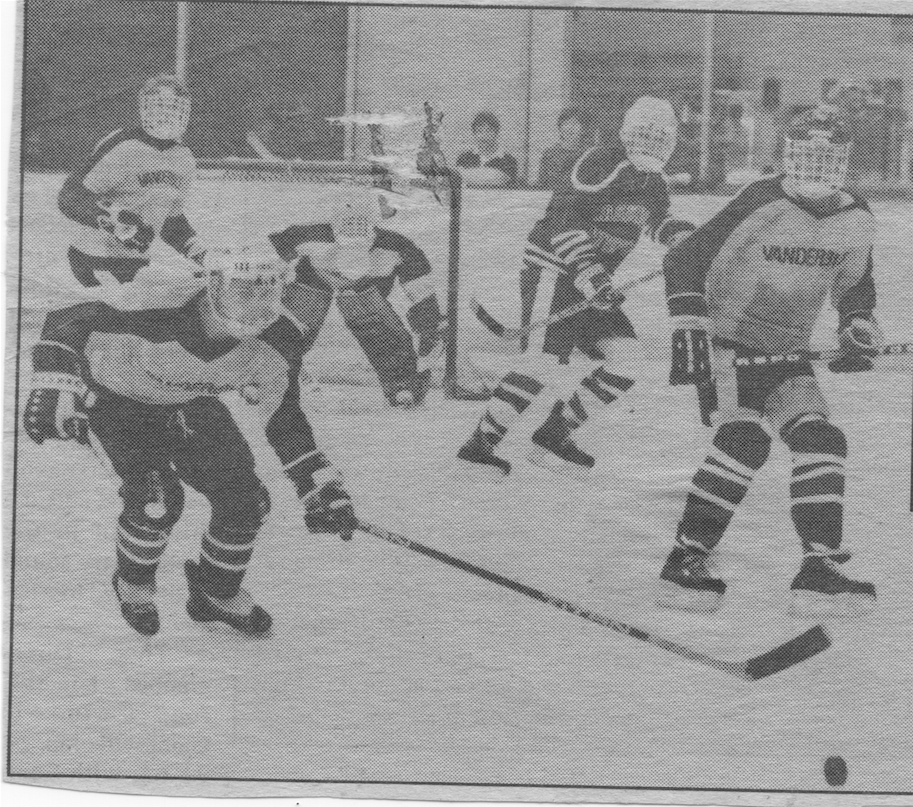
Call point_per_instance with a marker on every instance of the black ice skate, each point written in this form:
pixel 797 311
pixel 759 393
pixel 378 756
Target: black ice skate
pixel 821 590
pixel 686 582
pixel 554 450
pixel 239 612
pixel 480 449
pixel 137 605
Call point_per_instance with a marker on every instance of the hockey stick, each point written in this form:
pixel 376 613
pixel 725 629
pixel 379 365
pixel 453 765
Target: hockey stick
pixel 781 657
pixel 896 349
pixel 508 332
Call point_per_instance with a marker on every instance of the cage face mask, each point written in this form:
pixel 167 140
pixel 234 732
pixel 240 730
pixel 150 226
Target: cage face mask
pixel 244 288
pixel 648 133
pixel 164 108
pixel 816 153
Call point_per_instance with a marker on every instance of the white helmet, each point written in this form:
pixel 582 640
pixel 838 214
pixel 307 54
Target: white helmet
pixel 244 288
pixel 648 133
pixel 816 154
pixel 355 215
pixel 164 107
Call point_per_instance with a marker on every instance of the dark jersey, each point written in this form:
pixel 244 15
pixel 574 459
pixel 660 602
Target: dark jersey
pixel 764 265
pixel 503 162
pixel 164 357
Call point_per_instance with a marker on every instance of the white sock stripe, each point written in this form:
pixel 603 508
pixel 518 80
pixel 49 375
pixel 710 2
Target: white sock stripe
pixel 522 393
pixel 723 473
pixel 813 459
pixel 231 567
pixel 703 494
pixel 822 498
pixel 229 547
pixel 143 543
pixel 135 559
pixel 685 294
pixel 300 459
pixel 815 472
pixel 730 464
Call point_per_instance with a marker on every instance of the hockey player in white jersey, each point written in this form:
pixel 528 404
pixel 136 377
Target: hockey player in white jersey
pixel 618 194
pixel 749 282
pixel 131 191
pixel 142 386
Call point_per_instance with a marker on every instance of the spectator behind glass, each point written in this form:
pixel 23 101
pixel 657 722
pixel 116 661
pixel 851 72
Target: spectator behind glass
pixel 485 165
pixel 557 160
pixel 868 130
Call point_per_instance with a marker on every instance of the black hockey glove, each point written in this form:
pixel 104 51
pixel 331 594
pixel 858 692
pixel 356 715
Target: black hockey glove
pixel 55 409
pixel 691 356
pixel 127 227
pixel 859 342
pixel 329 509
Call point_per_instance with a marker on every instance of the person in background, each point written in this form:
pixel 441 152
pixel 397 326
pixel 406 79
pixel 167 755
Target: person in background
pixel 770 126
pixel 574 138
pixel 733 140
pixel 868 131
pixel 486 165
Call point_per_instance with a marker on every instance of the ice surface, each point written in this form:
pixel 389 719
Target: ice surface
pixel 387 666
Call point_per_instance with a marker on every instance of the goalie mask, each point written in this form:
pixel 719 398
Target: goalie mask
pixel 816 153
pixel 164 108
pixel 244 288
pixel 649 132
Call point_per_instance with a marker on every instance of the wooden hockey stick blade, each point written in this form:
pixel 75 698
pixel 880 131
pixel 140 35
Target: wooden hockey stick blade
pixel 801 648
pixel 780 658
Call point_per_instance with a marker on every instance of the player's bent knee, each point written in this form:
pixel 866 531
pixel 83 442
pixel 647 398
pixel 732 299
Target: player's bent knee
pixel 816 436
pixel 240 509
pixel 745 441
pixel 154 500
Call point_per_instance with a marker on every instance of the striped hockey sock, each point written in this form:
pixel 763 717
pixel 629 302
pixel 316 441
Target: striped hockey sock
pixel 224 560
pixel 599 389
pixel 818 482
pixel 720 484
pixel 510 399
pixel 139 550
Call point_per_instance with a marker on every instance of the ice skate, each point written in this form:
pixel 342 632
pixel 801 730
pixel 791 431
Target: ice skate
pixel 554 449
pixel 821 590
pixel 137 605
pixel 479 449
pixel 239 612
pixel 686 582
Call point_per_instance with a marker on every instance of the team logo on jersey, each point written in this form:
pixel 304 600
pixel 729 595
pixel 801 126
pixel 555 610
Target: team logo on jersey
pixel 804 256
pixel 162 177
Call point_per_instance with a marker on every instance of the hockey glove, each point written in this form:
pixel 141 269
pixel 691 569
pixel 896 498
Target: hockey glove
pixel 55 409
pixel 860 340
pixel 127 227
pixel 691 355
pixel 329 509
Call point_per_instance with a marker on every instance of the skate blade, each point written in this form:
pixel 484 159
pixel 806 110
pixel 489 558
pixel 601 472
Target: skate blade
pixel 553 463
pixel 678 598
pixel 815 605
pixel 481 470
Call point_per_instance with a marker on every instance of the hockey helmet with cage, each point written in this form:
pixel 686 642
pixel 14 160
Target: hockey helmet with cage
pixel 649 132
pixel 816 153
pixel 164 107
pixel 244 287
pixel 356 213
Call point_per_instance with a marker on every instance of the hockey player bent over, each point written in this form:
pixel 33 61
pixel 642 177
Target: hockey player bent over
pixel 753 281
pixel 132 190
pixel 142 386
pixel 352 259
pixel 618 194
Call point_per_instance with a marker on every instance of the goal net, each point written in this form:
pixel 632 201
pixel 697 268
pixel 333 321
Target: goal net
pixel 245 199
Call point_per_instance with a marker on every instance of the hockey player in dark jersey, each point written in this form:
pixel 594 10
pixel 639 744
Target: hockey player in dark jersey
pixel 356 262
pixel 753 281
pixel 132 191
pixel 142 387
pixel 618 193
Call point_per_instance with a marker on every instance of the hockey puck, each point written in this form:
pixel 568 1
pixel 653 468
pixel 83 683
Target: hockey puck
pixel 835 771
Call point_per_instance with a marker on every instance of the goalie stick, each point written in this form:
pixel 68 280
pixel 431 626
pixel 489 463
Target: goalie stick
pixel 896 349
pixel 782 657
pixel 508 332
